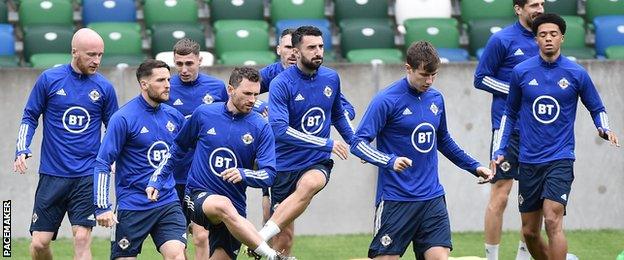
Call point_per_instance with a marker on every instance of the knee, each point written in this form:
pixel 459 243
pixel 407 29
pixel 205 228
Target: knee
pixel 82 239
pixel 39 244
pixel 308 187
pixel 200 239
pixel 220 206
pixel 552 223
pixel 498 203
pixel 530 234
pixel 176 256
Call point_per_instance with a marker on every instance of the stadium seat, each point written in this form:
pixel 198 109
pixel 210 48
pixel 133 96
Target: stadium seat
pixel 574 44
pixel 170 11
pixel 609 32
pixel 561 7
pixel 409 9
pixel 122 43
pixel 249 58
pixel 479 31
pixel 362 36
pixel 486 9
pixel 167 56
pixel 4 12
pixel 47 39
pixel 441 32
pixel 615 52
pixel 164 36
pixel 453 54
pixel 45 12
pixel 7 40
pixel 376 56
pixel 594 8
pixel 108 11
pixel 237 24
pixel 236 10
pixel 237 35
pixel 297 9
pixel 49 60
pixel 345 10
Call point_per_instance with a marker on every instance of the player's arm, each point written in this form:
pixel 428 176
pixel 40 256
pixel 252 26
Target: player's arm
pixel 30 119
pixel 491 60
pixel 113 142
pixel 508 121
pixel 347 106
pixel 265 155
pixel 186 139
pixel 279 121
pixel 110 105
pixel 592 101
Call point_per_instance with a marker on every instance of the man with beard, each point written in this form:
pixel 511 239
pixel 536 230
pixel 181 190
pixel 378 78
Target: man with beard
pixel 138 139
pixel 228 140
pixel 504 50
pixel 75 101
pixel 189 90
pixel 543 96
pixel 408 120
pixel 304 101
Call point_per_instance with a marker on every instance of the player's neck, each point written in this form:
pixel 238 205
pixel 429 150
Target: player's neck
pixel 305 69
pixel 524 24
pixel 550 58
pixel 231 108
pixel 149 101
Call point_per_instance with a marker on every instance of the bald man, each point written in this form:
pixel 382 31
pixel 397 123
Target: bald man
pixel 75 101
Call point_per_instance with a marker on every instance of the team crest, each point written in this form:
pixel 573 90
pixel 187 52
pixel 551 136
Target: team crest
pixel 248 139
pixel 94 95
pixel 385 240
pixel 170 126
pixel 505 166
pixel 201 195
pixel 563 83
pixel 34 217
pixel 434 109
pixel 328 91
pixel 123 243
pixel 520 200
pixel 208 99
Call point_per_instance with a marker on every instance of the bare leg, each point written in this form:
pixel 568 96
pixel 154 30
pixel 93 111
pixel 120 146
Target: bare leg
pixel 40 245
pixel 531 227
pixel 82 242
pixel 553 220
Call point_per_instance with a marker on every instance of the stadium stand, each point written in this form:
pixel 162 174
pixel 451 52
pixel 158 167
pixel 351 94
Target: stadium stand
pixel 47 40
pixel 122 43
pixel 236 10
pixel 164 36
pixel 609 32
pixel 108 11
pixel 46 12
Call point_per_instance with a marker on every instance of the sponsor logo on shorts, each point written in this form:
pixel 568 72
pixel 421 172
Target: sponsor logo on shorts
pixel 123 243
pixel 505 166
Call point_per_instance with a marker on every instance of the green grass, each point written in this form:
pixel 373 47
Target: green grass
pixel 592 244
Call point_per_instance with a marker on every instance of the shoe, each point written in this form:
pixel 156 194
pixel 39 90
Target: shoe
pixel 279 256
pixel 251 253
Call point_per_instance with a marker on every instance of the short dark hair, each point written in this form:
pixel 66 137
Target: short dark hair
pixel 422 53
pixel 520 3
pixel 240 73
pixel 186 46
pixel 145 69
pixel 305 30
pixel 549 18
pixel 287 31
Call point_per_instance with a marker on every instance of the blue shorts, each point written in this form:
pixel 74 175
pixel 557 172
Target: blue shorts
pixel 285 183
pixel 509 168
pixel 218 234
pixel 265 192
pixel 397 223
pixel 57 195
pixel 163 223
pixel 180 188
pixel 551 180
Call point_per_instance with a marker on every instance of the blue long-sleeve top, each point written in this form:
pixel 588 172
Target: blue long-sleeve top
pixel 412 124
pixel 271 71
pixel 504 50
pixel 186 97
pixel 138 139
pixel 74 107
pixel 542 100
pixel 223 140
pixel 302 109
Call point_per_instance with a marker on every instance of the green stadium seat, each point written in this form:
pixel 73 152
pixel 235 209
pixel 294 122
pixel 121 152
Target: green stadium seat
pixel 362 36
pixel 486 9
pixel 561 7
pixel 615 52
pixel 595 8
pixel 164 36
pixel 47 39
pixel 237 35
pixel 4 12
pixel 410 9
pixel 579 53
pixel 122 60
pixel 376 56
pixel 441 32
pixel 574 43
pixel 297 9
pixel 170 11
pixel 356 9
pixel 236 10
pixel 122 43
pixel 48 60
pixel 45 12
pixel 479 31
pixel 248 58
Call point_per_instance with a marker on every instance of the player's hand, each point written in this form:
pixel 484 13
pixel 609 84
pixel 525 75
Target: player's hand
pixel 152 193
pixel 20 164
pixel 106 219
pixel 609 136
pixel 485 174
pixel 232 175
pixel 341 149
pixel 401 163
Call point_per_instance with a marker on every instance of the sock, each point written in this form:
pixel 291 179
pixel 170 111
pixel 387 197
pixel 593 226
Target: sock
pixel 523 252
pixel 269 230
pixel 264 250
pixel 491 252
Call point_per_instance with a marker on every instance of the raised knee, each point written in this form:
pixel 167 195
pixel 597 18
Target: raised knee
pixel 200 239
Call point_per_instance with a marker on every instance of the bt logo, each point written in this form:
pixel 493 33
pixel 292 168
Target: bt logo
pixel 76 119
pixel 221 159
pixel 546 109
pixel 423 137
pixel 313 120
pixel 157 152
